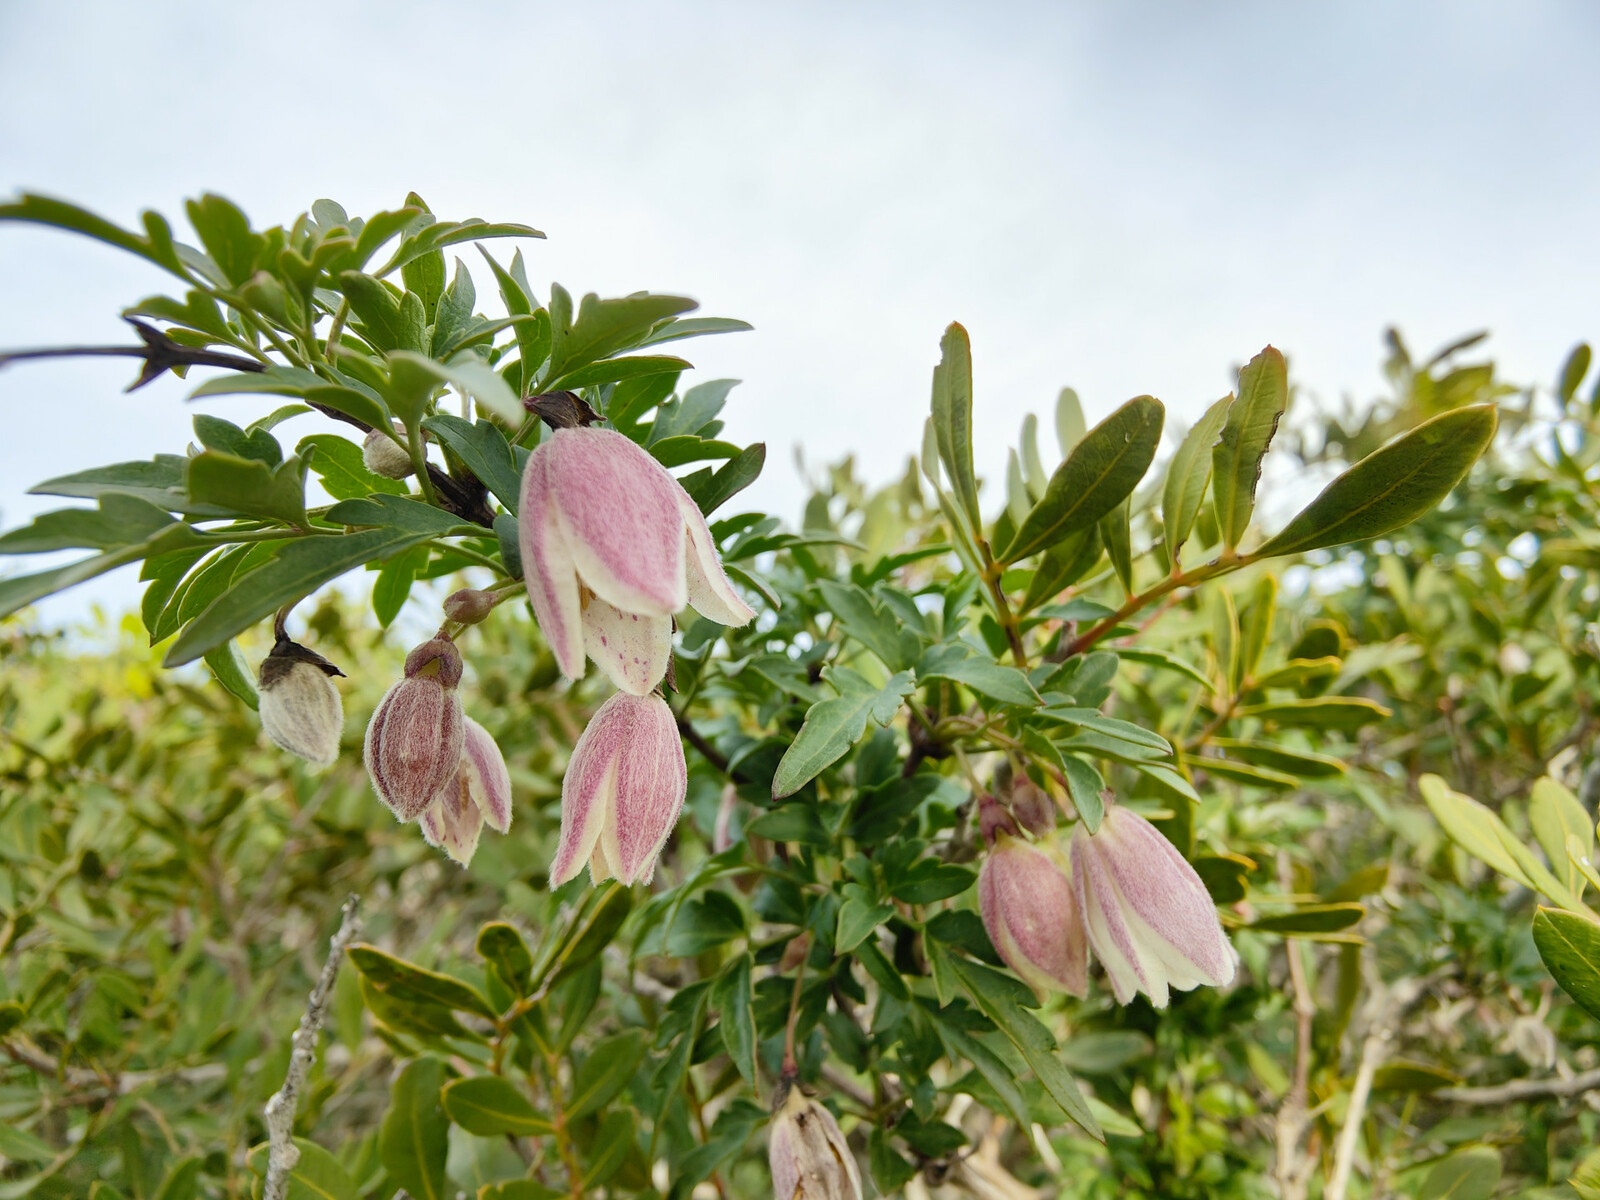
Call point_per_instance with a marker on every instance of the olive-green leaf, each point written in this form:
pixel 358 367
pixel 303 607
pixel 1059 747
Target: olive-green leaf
pixel 1310 919
pixel 489 1106
pixel 611 1063
pixel 1252 420
pixel 1472 1173
pixel 1570 947
pixel 502 947
pixel 952 417
pixel 415 1136
pixel 484 450
pixel 833 726
pixel 1187 476
pixel 317 1175
pixel 1102 470
pixel 404 980
pixel 1555 813
pixel 295 570
pixel 730 995
pixel 1322 712
pixel 1392 486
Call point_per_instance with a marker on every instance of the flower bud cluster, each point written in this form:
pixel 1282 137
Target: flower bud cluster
pixel 1123 892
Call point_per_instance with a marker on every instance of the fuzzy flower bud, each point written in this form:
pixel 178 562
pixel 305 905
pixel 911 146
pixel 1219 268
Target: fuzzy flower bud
pixel 469 605
pixel 1150 920
pixel 1034 810
pixel 809 1157
pixel 1032 917
pixel 300 707
pixel 612 547
pixel 622 792
pixel 479 793
pixel 382 455
pixel 993 819
pixel 414 740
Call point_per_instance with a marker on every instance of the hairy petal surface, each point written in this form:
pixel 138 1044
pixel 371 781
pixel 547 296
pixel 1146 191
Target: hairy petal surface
pixel 1031 912
pixel 710 593
pixel 413 744
pixel 633 649
pixel 547 566
pixel 652 780
pixel 488 781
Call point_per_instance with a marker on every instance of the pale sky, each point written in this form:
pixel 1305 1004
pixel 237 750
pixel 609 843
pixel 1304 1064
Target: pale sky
pixel 1127 198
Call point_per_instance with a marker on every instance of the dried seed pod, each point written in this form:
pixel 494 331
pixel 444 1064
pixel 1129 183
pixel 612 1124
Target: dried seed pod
pixel 807 1152
pixel 300 707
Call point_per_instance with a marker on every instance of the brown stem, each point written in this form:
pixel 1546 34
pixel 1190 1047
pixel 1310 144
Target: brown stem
pixel 1293 1170
pixel 790 1067
pixel 1231 561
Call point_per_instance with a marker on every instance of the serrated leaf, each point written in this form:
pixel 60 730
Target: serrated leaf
pixel 833 726
pixel 959 662
pixel 1252 419
pixel 119 520
pixel 1392 486
pixel 250 486
pixel 1102 470
pixel 602 327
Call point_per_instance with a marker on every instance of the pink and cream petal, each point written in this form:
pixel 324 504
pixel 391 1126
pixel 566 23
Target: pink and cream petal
pixel 631 648
pixel 587 796
pixel 548 569
pixel 710 592
pixel 1109 936
pixel 622 525
pixel 488 781
pixel 1031 912
pixel 651 783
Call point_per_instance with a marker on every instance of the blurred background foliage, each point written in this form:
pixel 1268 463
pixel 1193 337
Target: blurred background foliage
pixel 168 882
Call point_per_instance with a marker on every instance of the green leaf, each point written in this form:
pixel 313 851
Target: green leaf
pixel 490 1106
pixel 415 1136
pixel 22 590
pixel 1585 1180
pixel 1573 371
pixel 730 995
pixel 672 331
pixel 1301 763
pixel 613 370
pixel 317 1175
pixel 249 486
pixel 471 376
pixel 1392 486
pixel 392 588
pixel 1164 660
pixel 1251 421
pixel 1570 947
pixel 1246 773
pixel 833 726
pixel 503 948
pixel 1070 425
pixel 602 327
pixel 484 450
pixel 1471 1173
pixel 296 570
pixel 369 410
pixel 1102 470
pixel 400 513
pixel 712 490
pixel 23 1147
pixel 959 662
pixel 1474 828
pixel 872 624
pixel 42 210
pixel 729 1132
pixel 1118 538
pixel 1555 813
pixel 890 1170
pixel 381 315
pixel 606 1071
pixel 952 417
pixel 992 994
pixel 1187 476
pixel 1106 1052
pixel 450 233
pixel 1399 1075
pixel 407 981
pixel 958 1043
pixel 159 481
pixel 675 452
pixel 233 673
pixel 791 823
pixel 1084 785
pixel 611 1147
pixel 217 434
pixel 1310 919
pixel 119 520
pixel 337 462
pixel 1062 565
pixel 1322 712
pixel 274 381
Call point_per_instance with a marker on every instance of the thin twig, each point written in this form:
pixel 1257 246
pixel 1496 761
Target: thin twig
pixel 1294 1169
pixel 1522 1089
pixel 282 1153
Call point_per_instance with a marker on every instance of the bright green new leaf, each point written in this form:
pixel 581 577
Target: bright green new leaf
pixel 1187 476
pixel 1556 814
pixel 833 726
pixel 1251 421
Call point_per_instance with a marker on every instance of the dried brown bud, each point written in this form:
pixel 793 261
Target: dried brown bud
pixel 300 707
pixel 809 1157
pixel 382 455
pixel 414 740
pixel 469 605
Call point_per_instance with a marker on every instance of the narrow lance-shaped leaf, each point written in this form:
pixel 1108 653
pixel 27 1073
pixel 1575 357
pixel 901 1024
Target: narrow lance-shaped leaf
pixel 833 726
pixel 1392 486
pixel 1098 475
pixel 1252 420
pixel 1187 476
pixel 952 417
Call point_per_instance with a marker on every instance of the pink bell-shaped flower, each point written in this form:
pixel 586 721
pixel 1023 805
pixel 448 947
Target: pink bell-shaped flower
pixel 622 793
pixel 414 739
pixel 1032 916
pixel 612 546
pixel 479 793
pixel 1150 920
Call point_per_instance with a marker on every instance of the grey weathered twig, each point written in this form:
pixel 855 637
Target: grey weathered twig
pixel 1522 1089
pixel 282 1153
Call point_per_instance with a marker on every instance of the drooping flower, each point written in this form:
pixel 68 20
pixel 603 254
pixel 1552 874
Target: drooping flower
pixel 300 707
pixel 414 740
pixel 612 547
pixel 623 791
pixel 478 794
pixel 1032 916
pixel 1033 808
pixel 807 1152
pixel 1150 920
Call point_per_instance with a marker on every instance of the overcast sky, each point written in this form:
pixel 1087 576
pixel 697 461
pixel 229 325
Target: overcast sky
pixel 1126 198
